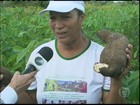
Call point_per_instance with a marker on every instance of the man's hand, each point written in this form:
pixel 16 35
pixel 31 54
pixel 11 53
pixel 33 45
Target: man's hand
pixel 128 65
pixel 22 82
pixel 129 58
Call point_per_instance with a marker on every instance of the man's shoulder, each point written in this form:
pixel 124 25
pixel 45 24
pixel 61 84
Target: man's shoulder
pixel 97 45
pixel 49 43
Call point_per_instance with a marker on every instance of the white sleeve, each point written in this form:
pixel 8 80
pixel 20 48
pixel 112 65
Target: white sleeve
pixel 107 82
pixel 8 96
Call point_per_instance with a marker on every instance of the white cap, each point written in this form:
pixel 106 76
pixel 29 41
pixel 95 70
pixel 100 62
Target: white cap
pixel 65 6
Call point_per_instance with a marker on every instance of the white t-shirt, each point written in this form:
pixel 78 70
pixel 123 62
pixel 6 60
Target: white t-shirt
pixel 70 80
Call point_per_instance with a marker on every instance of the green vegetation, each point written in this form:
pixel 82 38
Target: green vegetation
pixel 22 29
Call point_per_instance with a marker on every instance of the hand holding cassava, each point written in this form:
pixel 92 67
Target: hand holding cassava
pixel 114 58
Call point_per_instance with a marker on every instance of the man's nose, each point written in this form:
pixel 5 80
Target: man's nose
pixel 59 25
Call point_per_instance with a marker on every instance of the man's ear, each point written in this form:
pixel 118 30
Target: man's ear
pixel 82 17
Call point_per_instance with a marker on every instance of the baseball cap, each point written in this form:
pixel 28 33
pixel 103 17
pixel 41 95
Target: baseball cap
pixel 64 6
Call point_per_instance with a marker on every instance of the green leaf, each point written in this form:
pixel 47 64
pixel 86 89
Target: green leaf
pixel 17 48
pixel 21 55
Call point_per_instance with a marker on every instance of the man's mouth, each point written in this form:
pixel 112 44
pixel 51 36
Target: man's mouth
pixel 60 33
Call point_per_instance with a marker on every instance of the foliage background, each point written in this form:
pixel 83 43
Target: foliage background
pixel 22 29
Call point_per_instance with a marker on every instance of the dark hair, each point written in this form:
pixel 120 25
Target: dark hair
pixel 79 12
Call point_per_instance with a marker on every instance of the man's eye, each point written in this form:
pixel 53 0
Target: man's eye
pixel 66 17
pixel 52 18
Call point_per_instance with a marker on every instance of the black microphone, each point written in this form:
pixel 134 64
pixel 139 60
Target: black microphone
pixel 41 58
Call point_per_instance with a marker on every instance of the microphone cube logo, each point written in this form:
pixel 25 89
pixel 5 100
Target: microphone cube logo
pixel 39 61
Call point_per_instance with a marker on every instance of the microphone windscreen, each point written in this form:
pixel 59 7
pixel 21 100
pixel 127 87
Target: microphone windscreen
pixel 46 53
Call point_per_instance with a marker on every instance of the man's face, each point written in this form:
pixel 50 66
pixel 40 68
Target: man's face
pixel 66 26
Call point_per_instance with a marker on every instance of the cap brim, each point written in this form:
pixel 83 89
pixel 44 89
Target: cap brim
pixel 58 9
pixel 63 6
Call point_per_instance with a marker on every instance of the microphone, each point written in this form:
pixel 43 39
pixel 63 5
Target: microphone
pixel 41 58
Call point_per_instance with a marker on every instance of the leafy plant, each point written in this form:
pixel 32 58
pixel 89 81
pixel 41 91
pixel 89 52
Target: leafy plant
pixel 22 29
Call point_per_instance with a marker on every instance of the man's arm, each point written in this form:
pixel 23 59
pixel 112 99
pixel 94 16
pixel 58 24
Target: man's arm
pixel 114 95
pixel 27 97
pixel 17 86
